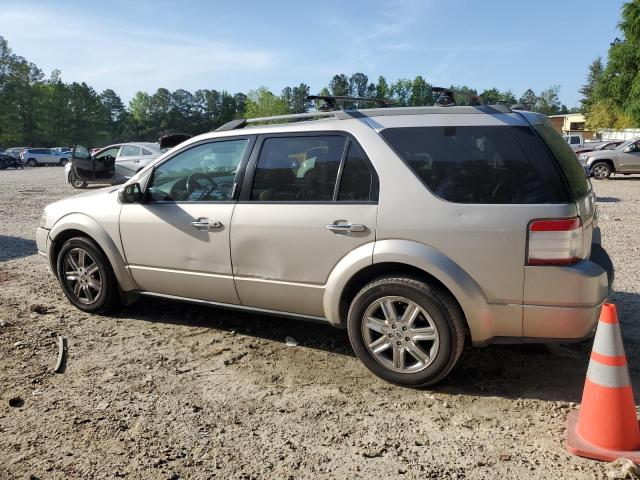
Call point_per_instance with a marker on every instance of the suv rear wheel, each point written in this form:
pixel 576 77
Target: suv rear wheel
pixel 86 276
pixel 406 331
pixel 601 170
pixel 32 162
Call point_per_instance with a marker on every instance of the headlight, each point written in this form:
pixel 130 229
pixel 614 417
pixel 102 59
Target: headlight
pixel 43 220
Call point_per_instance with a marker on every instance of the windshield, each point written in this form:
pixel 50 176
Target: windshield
pixel 624 145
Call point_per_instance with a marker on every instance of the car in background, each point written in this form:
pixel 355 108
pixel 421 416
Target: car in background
pixel 9 161
pixel 34 157
pixel 575 141
pixel 624 159
pixel 127 158
pixel 15 151
pixel 62 150
pixel 598 146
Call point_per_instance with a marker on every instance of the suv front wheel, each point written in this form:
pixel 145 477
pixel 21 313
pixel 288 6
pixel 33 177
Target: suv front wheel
pixel 406 331
pixel 601 170
pixel 86 276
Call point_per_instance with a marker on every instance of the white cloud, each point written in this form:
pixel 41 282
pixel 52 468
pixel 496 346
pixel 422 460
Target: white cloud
pixel 124 56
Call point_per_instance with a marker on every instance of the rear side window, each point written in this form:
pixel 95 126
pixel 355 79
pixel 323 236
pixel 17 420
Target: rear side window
pixel 566 158
pixel 298 169
pixel 130 151
pixel 359 181
pixel 480 164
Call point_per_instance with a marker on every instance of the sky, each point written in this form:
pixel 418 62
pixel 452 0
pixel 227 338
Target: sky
pixel 238 46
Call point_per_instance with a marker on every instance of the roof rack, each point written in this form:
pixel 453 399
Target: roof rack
pixel 331 101
pixel 447 98
pixel 242 122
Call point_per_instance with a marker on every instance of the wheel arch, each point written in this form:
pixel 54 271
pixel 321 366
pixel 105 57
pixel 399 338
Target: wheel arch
pixel 608 161
pixel 77 224
pixel 412 259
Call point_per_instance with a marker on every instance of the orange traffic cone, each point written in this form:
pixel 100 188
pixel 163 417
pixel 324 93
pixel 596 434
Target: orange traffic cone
pixel 606 426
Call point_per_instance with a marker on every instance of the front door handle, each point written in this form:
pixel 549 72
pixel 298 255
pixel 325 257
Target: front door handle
pixel 345 226
pixel 205 224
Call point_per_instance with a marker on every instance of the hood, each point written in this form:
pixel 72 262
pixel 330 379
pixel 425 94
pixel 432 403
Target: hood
pixel 602 153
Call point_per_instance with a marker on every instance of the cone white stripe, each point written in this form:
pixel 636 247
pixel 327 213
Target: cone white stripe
pixel 608 340
pixel 608 376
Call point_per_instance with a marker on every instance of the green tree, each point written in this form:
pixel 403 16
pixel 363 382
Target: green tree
pixel 421 94
pixel 529 99
pixel 401 92
pixel 382 88
pixel 588 89
pixel 339 86
pixel 263 103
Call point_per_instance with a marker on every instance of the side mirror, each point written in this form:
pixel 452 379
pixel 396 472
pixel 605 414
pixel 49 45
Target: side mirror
pixel 130 193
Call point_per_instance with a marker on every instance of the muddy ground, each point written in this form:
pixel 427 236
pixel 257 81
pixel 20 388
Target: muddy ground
pixel 167 390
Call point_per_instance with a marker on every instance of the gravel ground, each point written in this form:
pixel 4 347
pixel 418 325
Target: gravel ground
pixel 168 390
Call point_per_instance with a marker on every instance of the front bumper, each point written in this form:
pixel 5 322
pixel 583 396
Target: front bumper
pixel 565 302
pixel 43 242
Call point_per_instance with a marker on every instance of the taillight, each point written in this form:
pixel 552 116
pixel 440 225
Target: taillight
pixel 555 242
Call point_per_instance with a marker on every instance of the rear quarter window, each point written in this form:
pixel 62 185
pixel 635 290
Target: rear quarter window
pixel 566 158
pixel 480 164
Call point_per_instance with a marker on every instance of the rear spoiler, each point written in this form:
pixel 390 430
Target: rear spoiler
pixel 170 141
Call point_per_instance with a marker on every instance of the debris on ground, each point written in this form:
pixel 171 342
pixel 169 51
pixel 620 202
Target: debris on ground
pixel 16 402
pixel 62 348
pixel 291 342
pixel 622 468
pixel 39 309
pixel 5 323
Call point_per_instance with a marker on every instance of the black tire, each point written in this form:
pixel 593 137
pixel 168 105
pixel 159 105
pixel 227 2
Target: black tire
pixel 76 183
pixel 32 162
pixel 63 161
pixel 601 170
pixel 108 297
pixel 444 313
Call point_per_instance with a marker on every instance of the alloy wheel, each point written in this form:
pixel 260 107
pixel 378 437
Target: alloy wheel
pixel 82 275
pixel 400 335
pixel 601 171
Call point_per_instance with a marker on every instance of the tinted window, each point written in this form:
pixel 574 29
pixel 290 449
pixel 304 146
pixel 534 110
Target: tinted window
pixel 202 173
pixel 130 151
pixel 358 181
pixel 566 158
pixel 575 140
pixel 298 168
pixel 479 164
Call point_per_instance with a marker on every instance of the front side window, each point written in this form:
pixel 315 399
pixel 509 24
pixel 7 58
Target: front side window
pixel 202 173
pixel 130 151
pixel 479 164
pixel 298 169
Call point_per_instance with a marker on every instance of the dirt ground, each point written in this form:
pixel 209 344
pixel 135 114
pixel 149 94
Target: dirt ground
pixel 168 390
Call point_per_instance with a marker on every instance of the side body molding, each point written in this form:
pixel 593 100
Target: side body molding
pixel 428 259
pixel 86 224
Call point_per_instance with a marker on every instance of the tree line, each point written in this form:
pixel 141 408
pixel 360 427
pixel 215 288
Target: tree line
pixel 611 94
pixel 36 110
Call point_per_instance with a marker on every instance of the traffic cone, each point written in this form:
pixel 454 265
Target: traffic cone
pixel 606 427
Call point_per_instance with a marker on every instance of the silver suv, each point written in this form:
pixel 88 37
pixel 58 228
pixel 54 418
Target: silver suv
pixel 414 228
pixel 34 157
pixel 624 158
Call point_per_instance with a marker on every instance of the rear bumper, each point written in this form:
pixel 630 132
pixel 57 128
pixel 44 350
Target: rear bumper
pixel 564 302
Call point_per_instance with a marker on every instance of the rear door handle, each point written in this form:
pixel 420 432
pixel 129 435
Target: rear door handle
pixel 345 226
pixel 204 224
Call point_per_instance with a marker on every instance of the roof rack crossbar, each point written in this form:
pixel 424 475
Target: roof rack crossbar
pixel 331 101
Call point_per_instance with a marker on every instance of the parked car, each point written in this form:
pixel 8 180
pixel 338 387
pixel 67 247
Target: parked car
pixel 575 141
pixel 414 229
pixel 62 150
pixel 126 159
pixel 8 161
pixel 14 151
pixel 597 146
pixel 624 159
pixel 34 157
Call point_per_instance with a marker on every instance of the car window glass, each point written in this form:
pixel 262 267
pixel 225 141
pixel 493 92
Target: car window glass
pixel 575 140
pixel 479 164
pixel 130 151
pixel 358 181
pixel 302 169
pixel 202 173
pixel 146 152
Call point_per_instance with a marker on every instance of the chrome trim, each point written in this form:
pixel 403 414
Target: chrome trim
pixel 183 272
pixel 236 307
pixel 279 282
